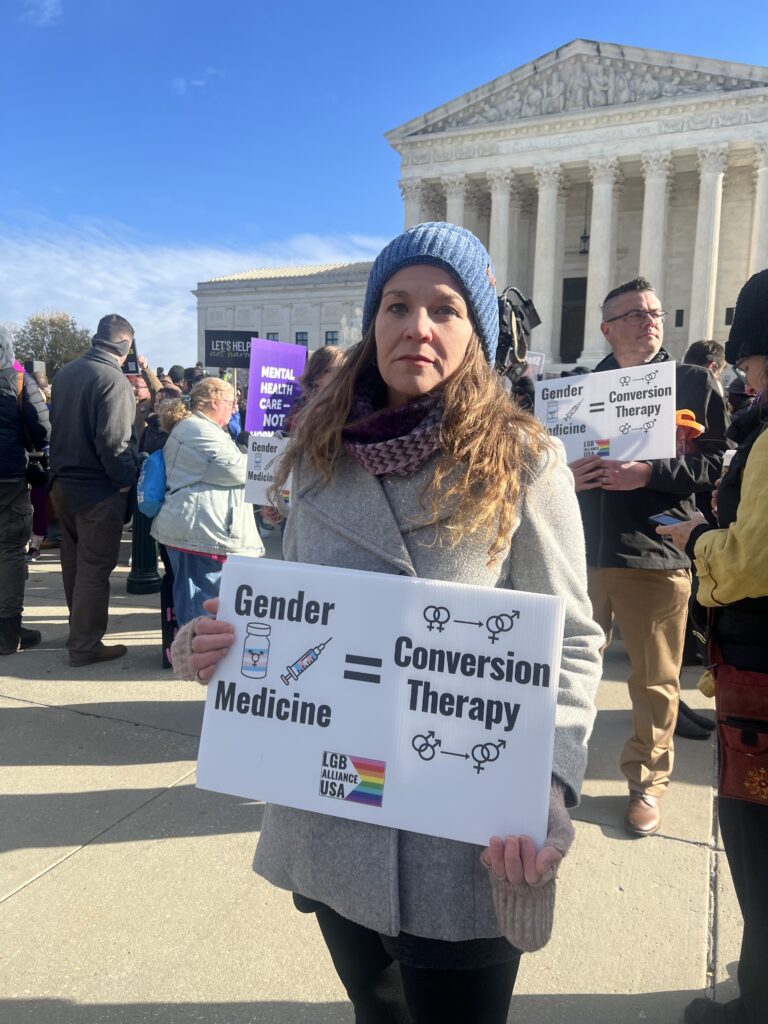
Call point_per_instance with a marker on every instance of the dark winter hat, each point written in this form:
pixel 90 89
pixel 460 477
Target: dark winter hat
pixel 115 334
pixel 749 331
pixel 455 250
pixel 176 373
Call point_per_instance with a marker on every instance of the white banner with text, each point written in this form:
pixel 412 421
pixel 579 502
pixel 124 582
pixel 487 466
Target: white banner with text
pixel 264 453
pixel 625 414
pixel 416 704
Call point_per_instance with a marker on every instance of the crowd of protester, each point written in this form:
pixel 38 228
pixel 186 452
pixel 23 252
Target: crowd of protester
pixel 408 455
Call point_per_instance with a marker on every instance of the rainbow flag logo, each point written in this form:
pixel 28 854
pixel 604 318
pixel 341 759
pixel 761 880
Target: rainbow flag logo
pixel 603 448
pixel 370 789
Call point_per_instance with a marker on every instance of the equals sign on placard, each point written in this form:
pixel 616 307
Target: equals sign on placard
pixel 597 406
pixel 359 665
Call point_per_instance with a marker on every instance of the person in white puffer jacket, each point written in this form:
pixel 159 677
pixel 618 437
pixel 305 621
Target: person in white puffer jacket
pixel 204 516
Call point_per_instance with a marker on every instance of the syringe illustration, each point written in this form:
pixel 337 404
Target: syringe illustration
pixel 309 657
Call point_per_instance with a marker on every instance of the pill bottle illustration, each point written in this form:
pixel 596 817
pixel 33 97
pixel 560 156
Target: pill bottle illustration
pixel 256 651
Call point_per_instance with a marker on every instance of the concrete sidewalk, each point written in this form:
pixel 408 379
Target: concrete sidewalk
pixel 126 894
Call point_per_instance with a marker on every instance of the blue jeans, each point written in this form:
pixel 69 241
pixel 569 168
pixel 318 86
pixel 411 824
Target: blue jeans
pixel 195 579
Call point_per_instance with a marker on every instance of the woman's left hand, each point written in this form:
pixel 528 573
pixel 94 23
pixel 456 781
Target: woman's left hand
pixel 515 858
pixel 679 534
pixel 270 515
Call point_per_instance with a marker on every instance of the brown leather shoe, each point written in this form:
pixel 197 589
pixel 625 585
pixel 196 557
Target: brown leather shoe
pixel 643 816
pixel 100 653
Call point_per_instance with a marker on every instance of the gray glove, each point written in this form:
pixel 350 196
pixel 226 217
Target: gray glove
pixel 525 912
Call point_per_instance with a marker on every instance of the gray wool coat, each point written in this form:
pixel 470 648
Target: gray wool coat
pixel 383 878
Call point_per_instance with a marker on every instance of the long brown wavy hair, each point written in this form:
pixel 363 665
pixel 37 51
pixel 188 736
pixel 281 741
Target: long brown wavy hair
pixel 488 445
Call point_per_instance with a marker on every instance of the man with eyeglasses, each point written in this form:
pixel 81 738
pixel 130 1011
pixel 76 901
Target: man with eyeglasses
pixel 635 576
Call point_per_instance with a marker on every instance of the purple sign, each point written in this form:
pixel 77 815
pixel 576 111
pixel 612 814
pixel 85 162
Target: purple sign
pixel 273 383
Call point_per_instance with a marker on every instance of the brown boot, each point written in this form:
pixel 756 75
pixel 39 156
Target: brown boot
pixel 643 814
pixel 100 653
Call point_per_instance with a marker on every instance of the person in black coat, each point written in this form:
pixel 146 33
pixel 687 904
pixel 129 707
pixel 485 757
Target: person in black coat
pixel 24 426
pixel 94 466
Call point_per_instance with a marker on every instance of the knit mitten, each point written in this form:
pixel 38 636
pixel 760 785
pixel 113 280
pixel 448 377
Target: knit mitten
pixel 525 912
pixel 181 652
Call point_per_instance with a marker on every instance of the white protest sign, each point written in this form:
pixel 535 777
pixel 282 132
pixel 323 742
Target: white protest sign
pixel 417 704
pixel 535 361
pixel 617 414
pixel 264 452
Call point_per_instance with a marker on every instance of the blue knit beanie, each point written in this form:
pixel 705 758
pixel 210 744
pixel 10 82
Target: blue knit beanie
pixel 453 249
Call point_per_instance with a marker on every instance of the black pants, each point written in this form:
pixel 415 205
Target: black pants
pixel 744 828
pixel 383 991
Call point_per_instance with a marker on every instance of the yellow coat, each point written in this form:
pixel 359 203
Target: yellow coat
pixel 732 564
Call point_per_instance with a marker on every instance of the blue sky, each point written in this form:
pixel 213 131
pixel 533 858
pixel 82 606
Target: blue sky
pixel 149 145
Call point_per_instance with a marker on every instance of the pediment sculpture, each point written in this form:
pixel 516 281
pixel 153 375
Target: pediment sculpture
pixel 588 83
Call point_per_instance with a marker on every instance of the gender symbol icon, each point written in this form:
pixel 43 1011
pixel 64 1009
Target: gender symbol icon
pixel 436 617
pixel 625 428
pixel 486 753
pixel 426 744
pixel 498 624
pixel 647 378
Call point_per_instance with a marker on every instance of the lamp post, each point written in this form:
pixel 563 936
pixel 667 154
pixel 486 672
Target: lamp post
pixel 584 237
pixel 143 577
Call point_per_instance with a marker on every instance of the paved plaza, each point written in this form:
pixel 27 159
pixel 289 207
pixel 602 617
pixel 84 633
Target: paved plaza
pixel 127 896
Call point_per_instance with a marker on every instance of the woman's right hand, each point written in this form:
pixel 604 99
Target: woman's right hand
pixel 713 500
pixel 516 859
pixel 211 642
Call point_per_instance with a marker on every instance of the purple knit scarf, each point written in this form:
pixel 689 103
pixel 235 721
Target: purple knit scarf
pixel 394 440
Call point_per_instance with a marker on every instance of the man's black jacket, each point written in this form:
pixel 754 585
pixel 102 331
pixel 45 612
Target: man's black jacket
pixel 618 531
pixel 93 451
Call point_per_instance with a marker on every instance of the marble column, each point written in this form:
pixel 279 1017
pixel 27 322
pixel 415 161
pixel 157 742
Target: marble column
pixel 603 174
pixel 516 200
pixel 653 234
pixel 712 162
pixel 563 196
pixel 500 183
pixel 758 250
pixel 413 197
pixel 455 186
pixel 544 338
pixel 433 203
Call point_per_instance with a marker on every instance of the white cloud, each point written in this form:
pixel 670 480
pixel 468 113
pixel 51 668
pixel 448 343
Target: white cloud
pixel 99 268
pixel 181 85
pixel 42 13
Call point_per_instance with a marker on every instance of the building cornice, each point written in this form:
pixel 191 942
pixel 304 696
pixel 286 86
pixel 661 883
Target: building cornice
pixel 693 114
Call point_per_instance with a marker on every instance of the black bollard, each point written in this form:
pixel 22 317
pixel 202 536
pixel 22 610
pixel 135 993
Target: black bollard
pixel 143 577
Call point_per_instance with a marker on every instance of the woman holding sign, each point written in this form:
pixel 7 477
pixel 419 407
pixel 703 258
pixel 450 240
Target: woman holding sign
pixel 414 461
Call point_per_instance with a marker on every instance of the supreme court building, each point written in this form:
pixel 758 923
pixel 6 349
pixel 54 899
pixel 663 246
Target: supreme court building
pixel 589 166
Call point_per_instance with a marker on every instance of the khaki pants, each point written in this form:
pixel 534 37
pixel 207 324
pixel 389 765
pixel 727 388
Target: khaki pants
pixel 90 547
pixel 650 607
